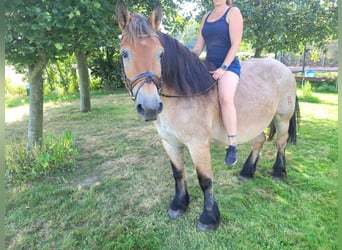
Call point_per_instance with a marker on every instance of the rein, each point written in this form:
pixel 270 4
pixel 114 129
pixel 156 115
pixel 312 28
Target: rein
pixel 149 77
pixel 191 95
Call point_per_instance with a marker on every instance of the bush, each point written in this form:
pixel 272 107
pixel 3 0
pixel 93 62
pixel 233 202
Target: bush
pixel 326 88
pixel 307 90
pixel 14 90
pixel 55 154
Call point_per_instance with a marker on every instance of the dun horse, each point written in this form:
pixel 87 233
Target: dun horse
pixel 171 86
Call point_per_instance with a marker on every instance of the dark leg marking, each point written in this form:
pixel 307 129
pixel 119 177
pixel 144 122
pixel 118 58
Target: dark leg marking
pixel 249 167
pixel 181 199
pixel 279 167
pixel 210 217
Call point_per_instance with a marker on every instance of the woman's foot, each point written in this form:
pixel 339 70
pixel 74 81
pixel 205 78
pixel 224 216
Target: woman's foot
pixel 231 159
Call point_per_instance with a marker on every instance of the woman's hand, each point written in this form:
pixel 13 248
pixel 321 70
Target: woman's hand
pixel 218 73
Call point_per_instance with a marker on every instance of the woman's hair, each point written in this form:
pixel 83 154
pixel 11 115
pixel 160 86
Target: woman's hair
pixel 229 2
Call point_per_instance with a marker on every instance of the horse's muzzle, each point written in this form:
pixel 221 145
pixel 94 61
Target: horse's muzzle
pixel 149 114
pixel 148 105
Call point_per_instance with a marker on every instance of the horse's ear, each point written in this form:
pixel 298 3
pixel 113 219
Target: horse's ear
pixel 122 14
pixel 156 16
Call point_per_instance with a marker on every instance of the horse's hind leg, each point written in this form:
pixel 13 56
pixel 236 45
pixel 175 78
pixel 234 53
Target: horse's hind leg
pixel 181 199
pixel 279 167
pixel 249 167
pixel 210 217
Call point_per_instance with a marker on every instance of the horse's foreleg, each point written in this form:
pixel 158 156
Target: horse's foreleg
pixel 181 199
pixel 279 167
pixel 249 167
pixel 210 217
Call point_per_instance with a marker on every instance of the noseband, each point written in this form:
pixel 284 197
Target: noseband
pixel 140 80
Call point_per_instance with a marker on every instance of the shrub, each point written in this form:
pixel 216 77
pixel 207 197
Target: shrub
pixel 307 90
pixel 14 90
pixel 55 154
pixel 326 88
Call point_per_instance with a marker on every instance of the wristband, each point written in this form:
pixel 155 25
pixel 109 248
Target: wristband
pixel 224 67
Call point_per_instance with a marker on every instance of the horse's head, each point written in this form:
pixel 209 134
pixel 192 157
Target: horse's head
pixel 140 55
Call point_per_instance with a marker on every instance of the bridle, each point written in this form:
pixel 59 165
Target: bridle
pixel 140 80
pixel 149 77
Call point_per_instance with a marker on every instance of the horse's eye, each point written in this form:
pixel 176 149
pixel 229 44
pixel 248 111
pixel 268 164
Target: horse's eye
pixel 124 54
pixel 161 56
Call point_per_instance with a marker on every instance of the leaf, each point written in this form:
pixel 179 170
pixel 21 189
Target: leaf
pixel 97 5
pixel 59 46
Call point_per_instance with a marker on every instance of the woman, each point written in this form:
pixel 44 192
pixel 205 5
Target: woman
pixel 221 33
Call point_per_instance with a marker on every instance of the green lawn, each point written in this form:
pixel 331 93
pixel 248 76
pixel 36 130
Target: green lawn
pixel 118 196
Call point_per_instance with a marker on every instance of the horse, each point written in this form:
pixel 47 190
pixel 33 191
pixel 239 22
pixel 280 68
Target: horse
pixel 173 88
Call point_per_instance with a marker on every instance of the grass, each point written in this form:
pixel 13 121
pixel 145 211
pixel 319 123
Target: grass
pixel 118 196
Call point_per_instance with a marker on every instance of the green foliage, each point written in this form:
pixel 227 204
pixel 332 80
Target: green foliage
pixel 326 88
pixel 307 89
pixel 173 22
pixel 13 90
pixel 95 84
pixel 61 76
pixel 104 65
pixel 285 26
pixel 55 154
pixel 29 29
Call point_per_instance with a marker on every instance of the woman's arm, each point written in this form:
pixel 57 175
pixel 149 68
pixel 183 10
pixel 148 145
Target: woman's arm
pixel 200 43
pixel 235 21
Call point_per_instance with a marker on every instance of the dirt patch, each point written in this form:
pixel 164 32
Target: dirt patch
pixel 16 114
pixel 119 168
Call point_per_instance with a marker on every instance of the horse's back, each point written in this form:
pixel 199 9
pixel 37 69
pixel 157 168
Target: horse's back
pixel 265 73
pixel 266 88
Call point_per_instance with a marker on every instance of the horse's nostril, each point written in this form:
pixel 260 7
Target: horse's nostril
pixel 140 109
pixel 160 107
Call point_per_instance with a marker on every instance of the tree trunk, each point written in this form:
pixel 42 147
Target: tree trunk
pixel 35 77
pixel 257 53
pixel 83 74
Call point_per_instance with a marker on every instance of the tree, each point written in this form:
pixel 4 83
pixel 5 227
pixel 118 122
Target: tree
pixel 285 25
pixel 85 26
pixel 46 30
pixel 83 75
pixel 28 44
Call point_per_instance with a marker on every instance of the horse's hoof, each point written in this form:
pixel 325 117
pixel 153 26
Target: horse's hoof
pixel 243 178
pixel 207 227
pixel 277 178
pixel 174 214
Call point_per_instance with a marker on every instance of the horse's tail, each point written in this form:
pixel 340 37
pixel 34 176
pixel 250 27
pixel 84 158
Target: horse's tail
pixel 293 123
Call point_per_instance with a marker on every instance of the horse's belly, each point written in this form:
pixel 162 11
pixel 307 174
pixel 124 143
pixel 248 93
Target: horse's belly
pixel 244 133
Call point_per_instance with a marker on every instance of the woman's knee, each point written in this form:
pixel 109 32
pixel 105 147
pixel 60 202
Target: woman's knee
pixel 226 100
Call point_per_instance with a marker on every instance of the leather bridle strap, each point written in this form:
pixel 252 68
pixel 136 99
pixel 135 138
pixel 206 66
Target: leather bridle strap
pixel 140 80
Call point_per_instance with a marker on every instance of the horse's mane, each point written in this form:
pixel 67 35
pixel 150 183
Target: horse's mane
pixel 138 27
pixel 182 70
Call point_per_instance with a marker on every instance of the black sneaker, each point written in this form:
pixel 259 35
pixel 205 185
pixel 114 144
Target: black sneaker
pixel 231 155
